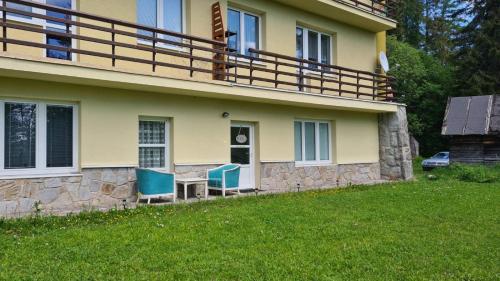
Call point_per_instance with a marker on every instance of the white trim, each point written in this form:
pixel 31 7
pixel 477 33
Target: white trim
pixel 250 146
pixel 242 30
pixel 41 141
pixel 317 147
pixel 166 165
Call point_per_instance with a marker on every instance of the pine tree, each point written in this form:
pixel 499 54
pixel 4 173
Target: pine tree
pixel 478 50
pixel 408 14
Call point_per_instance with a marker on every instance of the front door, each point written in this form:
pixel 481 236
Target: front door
pixel 242 153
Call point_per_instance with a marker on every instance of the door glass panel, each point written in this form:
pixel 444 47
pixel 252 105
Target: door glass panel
pixel 59 136
pixel 234 26
pixel 300 43
pixel 172 18
pixel 324 142
pixel 62 4
pixel 325 49
pixel 240 136
pixel 240 155
pixel 151 132
pixel 313 46
pixel 20 136
pixel 298 141
pixel 20 8
pixel 147 15
pixel 310 136
pixel 58 41
pixel 251 34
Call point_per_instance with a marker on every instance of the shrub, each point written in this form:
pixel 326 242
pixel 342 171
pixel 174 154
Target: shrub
pixel 472 173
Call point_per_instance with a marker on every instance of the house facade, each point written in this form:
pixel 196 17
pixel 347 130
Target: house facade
pixel 291 90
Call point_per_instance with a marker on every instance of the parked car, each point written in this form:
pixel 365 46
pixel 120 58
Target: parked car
pixel 441 159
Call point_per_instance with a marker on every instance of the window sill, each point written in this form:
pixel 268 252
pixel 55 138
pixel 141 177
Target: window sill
pixel 39 176
pixel 314 164
pixel 163 46
pixel 245 61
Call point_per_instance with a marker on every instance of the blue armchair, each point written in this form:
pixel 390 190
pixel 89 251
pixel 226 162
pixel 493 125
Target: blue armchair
pixel 224 178
pixel 154 184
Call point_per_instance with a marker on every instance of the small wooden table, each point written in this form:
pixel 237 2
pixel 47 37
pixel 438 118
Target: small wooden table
pixel 193 181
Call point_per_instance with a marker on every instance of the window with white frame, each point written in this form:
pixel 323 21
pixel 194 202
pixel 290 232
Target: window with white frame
pixel 54 40
pixel 153 144
pixel 162 14
pixel 246 26
pixel 313 45
pixel 312 142
pixel 38 138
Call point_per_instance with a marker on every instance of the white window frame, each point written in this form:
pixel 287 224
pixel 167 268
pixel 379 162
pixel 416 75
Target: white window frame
pixel 41 141
pixel 316 162
pixel 161 25
pixel 166 145
pixel 242 28
pixel 305 44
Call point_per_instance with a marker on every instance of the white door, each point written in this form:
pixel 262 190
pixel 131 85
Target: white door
pixel 242 153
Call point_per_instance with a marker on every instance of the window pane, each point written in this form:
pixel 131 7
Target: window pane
pixel 324 142
pixel 240 156
pixel 20 135
pixel 313 46
pixel 234 26
pixel 172 15
pixel 298 141
pixel 59 41
pixel 147 15
pixel 325 49
pixel 59 3
pixel 251 34
pixel 300 43
pixel 310 135
pixel 151 132
pixel 21 8
pixel 152 157
pixel 243 133
pixel 59 136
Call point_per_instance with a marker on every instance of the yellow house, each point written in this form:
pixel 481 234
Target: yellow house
pixel 290 90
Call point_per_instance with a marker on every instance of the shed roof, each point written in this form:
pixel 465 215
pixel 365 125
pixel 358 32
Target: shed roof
pixel 476 115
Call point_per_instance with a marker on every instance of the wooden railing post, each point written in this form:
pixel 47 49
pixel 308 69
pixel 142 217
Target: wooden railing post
pixel 113 47
pixel 68 32
pixel 251 70
pixel 322 81
pixel 340 82
pixel 301 76
pixel 191 60
pixel 154 51
pixel 276 72
pixel 357 84
pixel 373 87
pixel 4 29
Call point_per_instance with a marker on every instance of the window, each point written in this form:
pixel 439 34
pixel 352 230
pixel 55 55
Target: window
pixel 37 138
pixel 313 45
pixel 59 41
pixel 247 29
pixel 162 14
pixel 153 144
pixel 312 142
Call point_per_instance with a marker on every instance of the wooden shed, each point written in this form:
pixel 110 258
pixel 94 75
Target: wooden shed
pixel 473 126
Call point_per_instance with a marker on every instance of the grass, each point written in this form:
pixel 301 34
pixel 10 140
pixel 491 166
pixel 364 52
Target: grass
pixel 435 228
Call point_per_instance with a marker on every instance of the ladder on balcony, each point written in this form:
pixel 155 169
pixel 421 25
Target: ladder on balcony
pixel 218 34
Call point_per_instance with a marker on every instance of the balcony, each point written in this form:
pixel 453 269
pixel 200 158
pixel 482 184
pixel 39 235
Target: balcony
pixel 99 42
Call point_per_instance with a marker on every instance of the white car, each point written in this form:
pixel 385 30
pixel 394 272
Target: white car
pixel 441 159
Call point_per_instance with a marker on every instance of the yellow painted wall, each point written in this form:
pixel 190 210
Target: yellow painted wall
pixel 109 124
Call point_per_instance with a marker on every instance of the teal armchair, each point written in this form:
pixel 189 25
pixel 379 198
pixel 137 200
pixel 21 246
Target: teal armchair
pixel 224 178
pixel 155 184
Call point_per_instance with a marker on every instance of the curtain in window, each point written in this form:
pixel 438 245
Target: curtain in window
pixel 20 136
pixel 310 143
pixel 324 142
pixel 298 141
pixel 59 136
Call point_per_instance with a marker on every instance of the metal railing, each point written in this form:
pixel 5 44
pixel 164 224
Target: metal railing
pixel 380 7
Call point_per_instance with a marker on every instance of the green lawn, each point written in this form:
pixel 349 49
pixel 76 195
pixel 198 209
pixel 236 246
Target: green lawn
pixel 441 229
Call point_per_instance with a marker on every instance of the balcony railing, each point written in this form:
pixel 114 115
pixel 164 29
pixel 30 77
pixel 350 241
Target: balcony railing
pixel 380 7
pixel 124 45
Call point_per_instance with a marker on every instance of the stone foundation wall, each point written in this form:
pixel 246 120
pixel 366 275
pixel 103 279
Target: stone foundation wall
pixel 100 189
pixel 283 177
